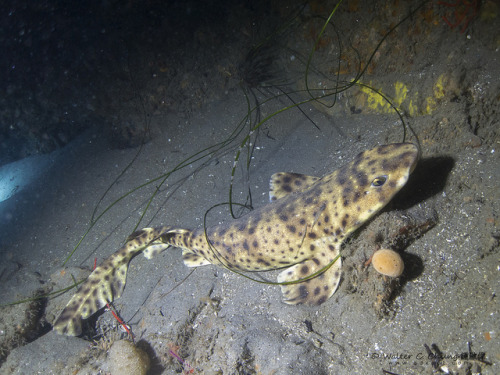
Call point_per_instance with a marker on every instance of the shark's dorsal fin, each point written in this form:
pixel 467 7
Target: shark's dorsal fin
pixel 284 183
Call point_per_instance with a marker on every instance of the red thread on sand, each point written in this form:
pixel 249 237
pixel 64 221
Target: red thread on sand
pixel 122 323
pixel 172 352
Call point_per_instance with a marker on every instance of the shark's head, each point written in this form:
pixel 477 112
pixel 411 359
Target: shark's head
pixel 372 179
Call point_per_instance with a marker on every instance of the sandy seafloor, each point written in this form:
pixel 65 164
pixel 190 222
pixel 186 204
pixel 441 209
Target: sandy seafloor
pixel 221 323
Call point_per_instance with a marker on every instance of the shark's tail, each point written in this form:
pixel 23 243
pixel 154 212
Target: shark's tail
pixel 106 282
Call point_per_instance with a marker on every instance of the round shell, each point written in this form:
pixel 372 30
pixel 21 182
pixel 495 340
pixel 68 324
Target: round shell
pixel 388 262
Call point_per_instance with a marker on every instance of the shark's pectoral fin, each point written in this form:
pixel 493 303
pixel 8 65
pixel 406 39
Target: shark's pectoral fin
pixel 193 260
pixel 315 290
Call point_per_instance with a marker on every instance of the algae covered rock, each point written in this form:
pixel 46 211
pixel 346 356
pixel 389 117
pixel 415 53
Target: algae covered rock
pixel 127 359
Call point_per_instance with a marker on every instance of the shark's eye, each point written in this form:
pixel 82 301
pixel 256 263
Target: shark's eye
pixel 379 181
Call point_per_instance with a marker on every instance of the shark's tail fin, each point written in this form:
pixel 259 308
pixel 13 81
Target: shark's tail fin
pixel 106 282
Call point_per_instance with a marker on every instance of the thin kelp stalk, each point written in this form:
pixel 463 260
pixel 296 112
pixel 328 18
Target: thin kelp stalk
pixel 362 67
pixel 381 173
pixel 243 145
pixel 211 151
pixel 54 294
pixel 316 43
pixel 207 152
pixel 398 112
pixel 300 109
pixel 247 140
pixel 385 37
pixel 226 264
pixel 147 123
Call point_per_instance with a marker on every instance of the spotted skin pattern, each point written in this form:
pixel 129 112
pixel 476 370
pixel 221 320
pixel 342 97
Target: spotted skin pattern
pixel 301 230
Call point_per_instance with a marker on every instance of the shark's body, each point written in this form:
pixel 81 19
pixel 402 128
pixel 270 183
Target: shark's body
pixel 301 230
